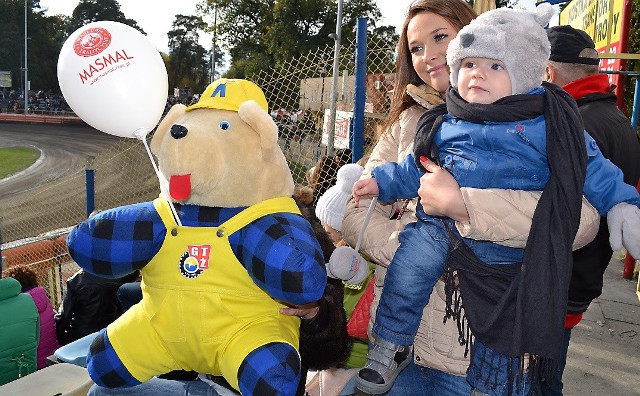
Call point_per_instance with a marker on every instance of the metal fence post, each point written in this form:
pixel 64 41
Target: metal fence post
pixel 337 37
pixel 90 190
pixel 360 92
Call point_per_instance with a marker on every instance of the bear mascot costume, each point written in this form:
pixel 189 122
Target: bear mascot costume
pixel 221 251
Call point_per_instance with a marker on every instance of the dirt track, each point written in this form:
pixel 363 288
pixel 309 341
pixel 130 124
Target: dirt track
pixel 65 149
pixel 51 194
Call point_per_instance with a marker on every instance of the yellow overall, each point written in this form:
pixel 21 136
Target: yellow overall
pixel 200 315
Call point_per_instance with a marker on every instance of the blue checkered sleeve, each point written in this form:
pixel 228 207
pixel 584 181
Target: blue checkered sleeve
pixel 283 257
pixel 278 362
pixel 118 241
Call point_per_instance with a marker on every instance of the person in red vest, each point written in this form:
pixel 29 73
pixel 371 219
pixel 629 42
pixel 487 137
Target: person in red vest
pixel 573 64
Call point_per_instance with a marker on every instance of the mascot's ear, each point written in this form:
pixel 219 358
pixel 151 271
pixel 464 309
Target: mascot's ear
pixel 261 122
pixel 165 125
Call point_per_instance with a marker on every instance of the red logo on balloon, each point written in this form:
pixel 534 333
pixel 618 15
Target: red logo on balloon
pixel 92 41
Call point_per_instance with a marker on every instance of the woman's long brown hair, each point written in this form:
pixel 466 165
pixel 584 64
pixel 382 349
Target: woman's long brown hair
pixel 456 12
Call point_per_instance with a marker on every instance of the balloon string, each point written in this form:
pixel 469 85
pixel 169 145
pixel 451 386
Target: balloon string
pixel 372 205
pixel 161 179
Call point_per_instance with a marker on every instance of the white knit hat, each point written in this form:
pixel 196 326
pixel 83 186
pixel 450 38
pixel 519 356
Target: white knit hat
pixel 332 204
pixel 516 37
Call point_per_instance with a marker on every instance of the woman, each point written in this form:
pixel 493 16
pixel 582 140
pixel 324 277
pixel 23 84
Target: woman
pixel 439 364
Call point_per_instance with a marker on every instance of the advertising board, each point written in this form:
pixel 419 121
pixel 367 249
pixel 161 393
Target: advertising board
pixel 5 79
pixel 605 21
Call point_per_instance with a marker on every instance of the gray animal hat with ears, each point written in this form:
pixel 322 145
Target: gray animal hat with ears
pixel 515 37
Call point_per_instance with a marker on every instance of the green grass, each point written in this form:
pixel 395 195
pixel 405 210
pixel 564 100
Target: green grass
pixel 15 159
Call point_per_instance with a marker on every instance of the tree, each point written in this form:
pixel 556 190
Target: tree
pixel 266 33
pixel 218 57
pixel 384 38
pixel 42 48
pixel 88 11
pixel 12 38
pixel 46 35
pixel 242 25
pixel 46 39
pixel 188 63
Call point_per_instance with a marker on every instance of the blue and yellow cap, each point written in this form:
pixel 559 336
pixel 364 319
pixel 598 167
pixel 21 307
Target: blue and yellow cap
pixel 229 94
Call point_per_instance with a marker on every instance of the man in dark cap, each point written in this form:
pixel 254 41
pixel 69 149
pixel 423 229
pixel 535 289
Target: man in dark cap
pixel 573 64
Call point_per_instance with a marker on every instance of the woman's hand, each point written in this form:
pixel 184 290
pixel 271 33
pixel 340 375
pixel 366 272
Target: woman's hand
pixel 440 193
pixel 307 311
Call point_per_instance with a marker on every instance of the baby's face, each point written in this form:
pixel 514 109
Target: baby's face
pixel 483 80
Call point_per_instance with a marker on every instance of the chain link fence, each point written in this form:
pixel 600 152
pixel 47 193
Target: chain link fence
pixel 34 224
pixel 299 93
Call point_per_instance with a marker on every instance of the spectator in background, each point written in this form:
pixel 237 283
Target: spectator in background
pixel 90 304
pixel 19 329
pixel 340 380
pixel 323 175
pixel 573 65
pixel 332 203
pixel 129 294
pixel 29 282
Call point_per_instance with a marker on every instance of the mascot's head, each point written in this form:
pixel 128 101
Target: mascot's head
pixel 222 151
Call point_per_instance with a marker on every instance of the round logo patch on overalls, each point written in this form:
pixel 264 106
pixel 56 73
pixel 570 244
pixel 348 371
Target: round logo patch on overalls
pixel 189 266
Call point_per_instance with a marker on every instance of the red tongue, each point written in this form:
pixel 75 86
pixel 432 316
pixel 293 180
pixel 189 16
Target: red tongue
pixel 180 187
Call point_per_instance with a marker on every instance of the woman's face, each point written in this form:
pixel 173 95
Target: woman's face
pixel 428 36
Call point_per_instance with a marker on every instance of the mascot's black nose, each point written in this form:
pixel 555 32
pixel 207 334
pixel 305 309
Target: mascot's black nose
pixel 178 131
pixel 466 40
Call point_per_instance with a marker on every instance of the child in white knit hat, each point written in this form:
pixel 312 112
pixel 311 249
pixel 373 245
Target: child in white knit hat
pixel 330 210
pixel 500 128
pixel 333 202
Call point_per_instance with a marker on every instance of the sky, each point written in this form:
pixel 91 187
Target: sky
pixel 156 19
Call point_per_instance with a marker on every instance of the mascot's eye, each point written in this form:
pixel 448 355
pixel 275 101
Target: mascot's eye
pixel 224 125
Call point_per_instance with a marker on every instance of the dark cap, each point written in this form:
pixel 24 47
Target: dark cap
pixel 567 43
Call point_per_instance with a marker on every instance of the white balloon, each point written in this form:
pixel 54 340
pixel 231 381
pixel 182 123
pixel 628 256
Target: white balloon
pixel 113 78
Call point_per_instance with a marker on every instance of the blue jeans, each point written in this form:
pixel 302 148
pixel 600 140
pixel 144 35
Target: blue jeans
pixel 416 266
pixel 420 380
pixel 555 388
pixel 159 387
pixel 488 364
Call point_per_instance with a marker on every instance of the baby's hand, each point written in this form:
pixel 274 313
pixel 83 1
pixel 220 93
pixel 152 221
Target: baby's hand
pixel 364 188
